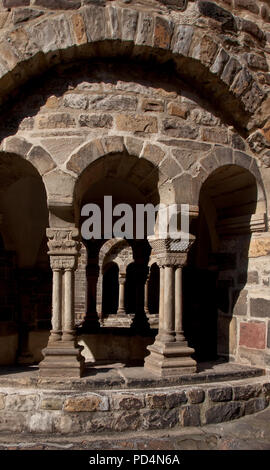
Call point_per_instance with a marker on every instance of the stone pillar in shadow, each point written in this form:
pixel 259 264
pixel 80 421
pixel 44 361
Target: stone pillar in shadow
pixel 170 354
pixel 62 356
pixel 24 356
pixel 140 322
pixel 91 322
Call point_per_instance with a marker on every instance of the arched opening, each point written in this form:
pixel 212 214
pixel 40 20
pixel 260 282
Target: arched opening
pixel 232 206
pixel 25 281
pixel 110 289
pixel 130 181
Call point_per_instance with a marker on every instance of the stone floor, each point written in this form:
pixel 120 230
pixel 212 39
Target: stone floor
pixel 247 433
pixel 121 376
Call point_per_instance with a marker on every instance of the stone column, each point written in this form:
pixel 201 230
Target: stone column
pixel 62 356
pixel 179 334
pixel 121 303
pixel 146 295
pixel 56 332
pixel 170 354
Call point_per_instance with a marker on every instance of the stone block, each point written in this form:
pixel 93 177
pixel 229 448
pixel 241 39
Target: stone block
pixel 163 400
pixel 196 395
pixel 134 146
pixel 239 302
pixel 190 416
pixel 162 33
pixel 186 158
pixel 96 120
pixel 224 412
pixel 75 101
pixel 179 110
pixel 79 28
pixel 89 402
pixel 256 61
pixel 176 127
pixel 15 3
pixel 145 30
pixel 221 60
pixel 94 20
pixel 170 168
pixel 113 144
pixel 136 123
pixel 259 247
pixel 200 147
pixel 153 153
pixel 215 12
pixel 12 421
pixel 248 5
pixel 227 335
pixel 182 38
pixel 255 405
pixel 242 82
pixel 253 335
pixel 18 402
pixel 116 103
pixel 230 71
pixel 129 24
pixel 56 121
pixel 245 392
pixel 159 419
pixel 123 421
pixel 2 401
pixel 41 422
pixel 17 145
pixel 220 394
pixel 41 160
pixel 24 14
pixel 127 401
pixel 85 155
pixel 52 403
pixel 59 185
pixel 61 147
pixel 260 307
pixel 59 4
pixel 216 135
pixel 253 98
pixel 152 105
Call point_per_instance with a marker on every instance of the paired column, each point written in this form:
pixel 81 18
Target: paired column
pixel 170 354
pixel 121 303
pixel 62 356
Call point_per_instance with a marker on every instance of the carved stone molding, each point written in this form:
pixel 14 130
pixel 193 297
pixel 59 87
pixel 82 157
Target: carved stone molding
pixel 63 241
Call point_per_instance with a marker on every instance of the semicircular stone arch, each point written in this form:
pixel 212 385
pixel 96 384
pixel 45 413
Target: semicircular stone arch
pixel 95 157
pixel 115 31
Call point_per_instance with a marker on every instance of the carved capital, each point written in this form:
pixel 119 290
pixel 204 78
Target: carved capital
pixel 63 262
pixel 172 260
pixel 63 241
pixel 164 246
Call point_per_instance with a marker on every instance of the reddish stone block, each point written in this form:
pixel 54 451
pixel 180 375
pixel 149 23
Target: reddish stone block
pixel 253 335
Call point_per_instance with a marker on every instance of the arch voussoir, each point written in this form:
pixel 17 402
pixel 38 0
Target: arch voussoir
pixel 111 29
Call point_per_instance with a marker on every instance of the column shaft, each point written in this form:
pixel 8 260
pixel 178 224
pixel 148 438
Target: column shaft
pixel 179 304
pixel 121 302
pixel 56 306
pixel 69 306
pixel 168 320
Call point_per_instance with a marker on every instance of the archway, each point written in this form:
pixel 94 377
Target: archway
pixel 232 207
pixel 26 276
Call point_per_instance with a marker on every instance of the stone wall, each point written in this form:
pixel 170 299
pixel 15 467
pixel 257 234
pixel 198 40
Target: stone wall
pixel 65 413
pixel 180 85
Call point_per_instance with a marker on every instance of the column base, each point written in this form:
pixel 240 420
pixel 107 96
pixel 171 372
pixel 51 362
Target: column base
pixel 170 359
pixel 117 320
pixel 62 359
